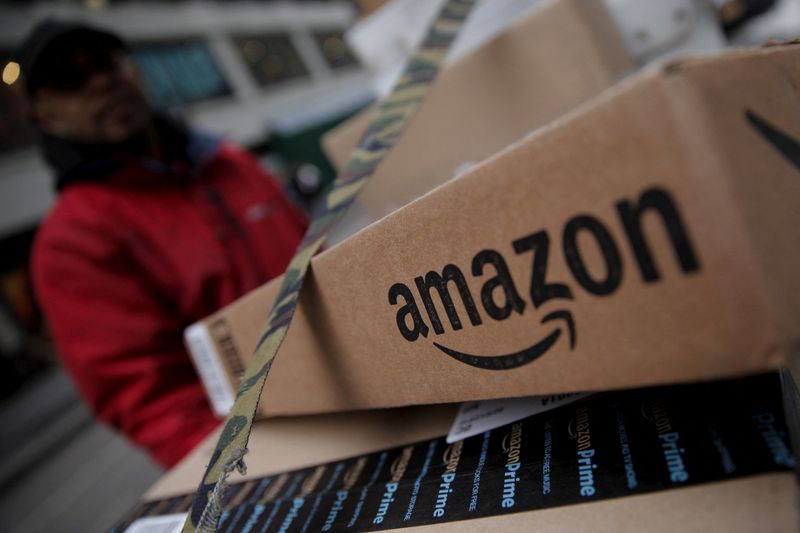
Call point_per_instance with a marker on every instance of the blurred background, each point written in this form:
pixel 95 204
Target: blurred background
pixel 273 76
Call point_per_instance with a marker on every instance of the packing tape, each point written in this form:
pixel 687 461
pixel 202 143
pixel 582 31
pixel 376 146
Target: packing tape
pixel 619 444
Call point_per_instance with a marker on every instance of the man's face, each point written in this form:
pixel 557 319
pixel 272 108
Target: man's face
pixel 97 98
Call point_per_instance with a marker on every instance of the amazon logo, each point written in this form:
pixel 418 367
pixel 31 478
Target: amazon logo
pixel 417 312
pixel 782 142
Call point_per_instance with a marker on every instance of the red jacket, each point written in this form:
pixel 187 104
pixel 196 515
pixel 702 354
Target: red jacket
pixel 124 263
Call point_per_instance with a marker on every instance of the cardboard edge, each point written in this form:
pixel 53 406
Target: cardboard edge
pixel 649 75
pixel 373 429
pixel 683 71
pixel 683 64
pixel 595 14
pixel 608 36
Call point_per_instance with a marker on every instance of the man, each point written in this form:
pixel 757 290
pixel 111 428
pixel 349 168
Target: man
pixel 155 227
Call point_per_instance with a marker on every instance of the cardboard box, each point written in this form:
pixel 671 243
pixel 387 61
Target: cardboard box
pixel 562 54
pixel 646 238
pixel 709 457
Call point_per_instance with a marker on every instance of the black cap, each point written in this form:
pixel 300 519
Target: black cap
pixel 42 55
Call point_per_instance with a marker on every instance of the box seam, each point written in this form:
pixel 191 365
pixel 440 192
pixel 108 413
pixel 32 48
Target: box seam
pixel 772 355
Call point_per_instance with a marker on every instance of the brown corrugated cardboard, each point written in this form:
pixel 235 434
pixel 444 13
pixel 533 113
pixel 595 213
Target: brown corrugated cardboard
pixel 562 54
pixel 281 444
pixel 645 238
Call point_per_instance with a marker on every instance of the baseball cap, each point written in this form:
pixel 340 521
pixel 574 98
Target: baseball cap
pixel 47 55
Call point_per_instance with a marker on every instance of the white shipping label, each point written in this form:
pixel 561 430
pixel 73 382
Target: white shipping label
pixel 212 374
pixel 476 417
pixel 171 523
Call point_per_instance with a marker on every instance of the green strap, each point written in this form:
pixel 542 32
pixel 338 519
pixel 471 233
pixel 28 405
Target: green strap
pixel 392 117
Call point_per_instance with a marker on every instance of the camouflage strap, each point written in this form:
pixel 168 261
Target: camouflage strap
pixel 385 129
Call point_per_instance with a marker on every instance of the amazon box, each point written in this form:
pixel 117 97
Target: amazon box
pixel 702 457
pixel 560 55
pixel 648 237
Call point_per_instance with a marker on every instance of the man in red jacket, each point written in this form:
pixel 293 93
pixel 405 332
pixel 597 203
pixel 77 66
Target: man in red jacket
pixel 155 227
